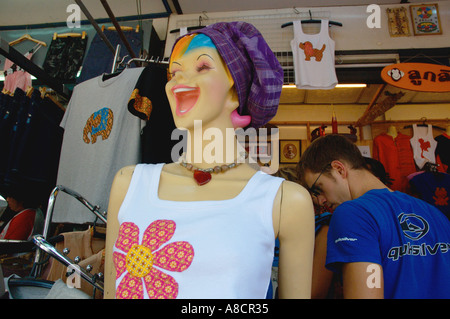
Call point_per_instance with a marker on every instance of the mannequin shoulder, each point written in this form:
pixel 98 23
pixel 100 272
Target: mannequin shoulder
pixel 294 192
pixel 126 171
pixel 123 176
pixel 296 202
pixel 296 210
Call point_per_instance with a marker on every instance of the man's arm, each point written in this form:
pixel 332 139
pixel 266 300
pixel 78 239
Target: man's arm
pixel 363 280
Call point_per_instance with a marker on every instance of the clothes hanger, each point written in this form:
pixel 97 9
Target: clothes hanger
pixel 192 28
pixel 424 124
pixel 116 64
pixel 123 28
pixel 70 34
pixel 311 20
pixel 27 37
pixel 98 231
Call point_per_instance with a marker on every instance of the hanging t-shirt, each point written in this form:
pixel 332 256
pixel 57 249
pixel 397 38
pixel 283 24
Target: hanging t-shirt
pixel 396 155
pixel 313 56
pixel 434 188
pixel 149 102
pixel 442 152
pixel 406 236
pixel 423 145
pixel 15 76
pixel 101 136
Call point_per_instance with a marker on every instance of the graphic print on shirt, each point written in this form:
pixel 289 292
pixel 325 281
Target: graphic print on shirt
pixel 441 197
pixel 100 123
pixel 311 52
pixel 138 261
pixel 424 146
pixel 416 227
pixel 413 226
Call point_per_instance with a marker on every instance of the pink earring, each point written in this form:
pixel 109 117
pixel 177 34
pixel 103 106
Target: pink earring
pixel 240 120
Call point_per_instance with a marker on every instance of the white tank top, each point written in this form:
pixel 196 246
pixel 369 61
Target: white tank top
pixel 423 145
pixel 313 56
pixel 201 249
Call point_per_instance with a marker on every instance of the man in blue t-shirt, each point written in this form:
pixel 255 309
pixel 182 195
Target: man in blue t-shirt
pixel 386 244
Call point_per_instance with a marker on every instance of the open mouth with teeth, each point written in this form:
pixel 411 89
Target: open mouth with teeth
pixel 185 97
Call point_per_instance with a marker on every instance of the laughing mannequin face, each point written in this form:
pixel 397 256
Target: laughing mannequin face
pixel 201 87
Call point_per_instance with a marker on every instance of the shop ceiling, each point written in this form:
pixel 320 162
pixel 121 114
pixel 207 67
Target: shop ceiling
pixel 51 11
pixel 54 11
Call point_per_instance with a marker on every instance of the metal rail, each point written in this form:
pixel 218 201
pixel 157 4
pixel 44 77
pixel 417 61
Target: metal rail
pixel 95 280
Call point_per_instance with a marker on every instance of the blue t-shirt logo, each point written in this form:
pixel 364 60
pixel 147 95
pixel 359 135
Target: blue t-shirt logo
pixel 413 226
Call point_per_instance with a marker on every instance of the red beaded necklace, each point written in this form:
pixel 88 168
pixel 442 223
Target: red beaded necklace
pixel 203 175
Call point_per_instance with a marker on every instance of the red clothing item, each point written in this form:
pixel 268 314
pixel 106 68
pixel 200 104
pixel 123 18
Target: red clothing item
pixel 443 153
pixel 397 157
pixel 20 227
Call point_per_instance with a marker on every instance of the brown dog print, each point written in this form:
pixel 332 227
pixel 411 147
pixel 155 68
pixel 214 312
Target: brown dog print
pixel 310 52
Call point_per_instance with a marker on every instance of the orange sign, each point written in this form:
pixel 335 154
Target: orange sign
pixel 424 77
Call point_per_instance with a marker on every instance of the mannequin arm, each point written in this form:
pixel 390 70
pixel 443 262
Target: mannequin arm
pixel 119 189
pixel 296 235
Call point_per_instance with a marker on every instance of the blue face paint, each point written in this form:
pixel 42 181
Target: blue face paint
pixel 199 41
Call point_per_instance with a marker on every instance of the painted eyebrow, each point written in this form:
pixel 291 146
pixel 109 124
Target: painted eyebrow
pixel 206 55
pixel 176 63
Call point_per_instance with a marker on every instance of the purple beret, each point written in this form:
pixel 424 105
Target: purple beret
pixel 256 72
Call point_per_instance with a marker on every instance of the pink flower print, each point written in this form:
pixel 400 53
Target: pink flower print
pixel 139 260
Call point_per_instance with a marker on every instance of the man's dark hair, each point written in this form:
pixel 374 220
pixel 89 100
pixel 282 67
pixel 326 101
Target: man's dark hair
pixel 326 149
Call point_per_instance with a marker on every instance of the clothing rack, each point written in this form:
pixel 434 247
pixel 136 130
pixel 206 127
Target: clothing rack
pixel 49 214
pixel 311 20
pixel 95 25
pixel 96 280
pixel 20 60
pixel 116 62
pixel 100 32
pixel 118 28
pixel 149 60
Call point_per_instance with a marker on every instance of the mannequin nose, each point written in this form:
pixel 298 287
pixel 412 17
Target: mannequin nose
pixel 183 75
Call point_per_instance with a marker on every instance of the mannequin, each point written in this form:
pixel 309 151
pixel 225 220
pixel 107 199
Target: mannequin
pixel 392 131
pixel 204 87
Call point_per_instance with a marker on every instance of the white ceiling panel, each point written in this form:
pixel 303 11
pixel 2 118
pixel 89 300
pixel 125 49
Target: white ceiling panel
pixel 198 6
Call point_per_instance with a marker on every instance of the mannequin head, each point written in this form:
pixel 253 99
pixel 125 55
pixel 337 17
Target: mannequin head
pixel 201 86
pixel 254 72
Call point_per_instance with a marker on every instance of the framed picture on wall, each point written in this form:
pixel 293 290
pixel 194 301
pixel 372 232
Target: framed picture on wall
pixel 398 22
pixel 290 151
pixel 425 19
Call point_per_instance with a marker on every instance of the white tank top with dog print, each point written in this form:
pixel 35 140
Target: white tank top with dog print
pixel 313 56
